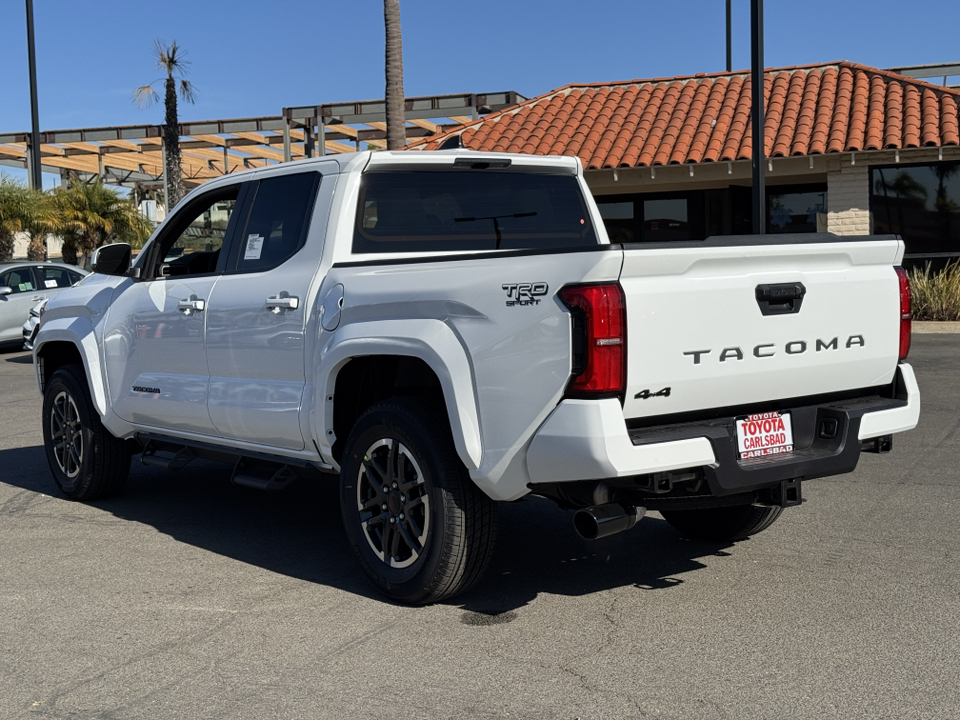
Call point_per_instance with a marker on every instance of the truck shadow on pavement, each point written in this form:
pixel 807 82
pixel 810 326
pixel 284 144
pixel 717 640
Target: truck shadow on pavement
pixel 20 359
pixel 298 532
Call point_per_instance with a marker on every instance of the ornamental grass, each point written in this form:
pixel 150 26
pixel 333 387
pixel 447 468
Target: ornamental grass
pixel 936 295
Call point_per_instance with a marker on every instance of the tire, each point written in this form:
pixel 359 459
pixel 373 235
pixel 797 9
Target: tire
pixel 87 462
pixel 723 524
pixel 419 527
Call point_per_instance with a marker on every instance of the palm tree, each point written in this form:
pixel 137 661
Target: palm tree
pixel 170 60
pixel 15 212
pixel 43 221
pixel 91 215
pixel 396 117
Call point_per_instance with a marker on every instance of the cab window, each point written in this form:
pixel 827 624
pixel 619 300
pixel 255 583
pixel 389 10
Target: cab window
pixel 191 245
pixel 278 222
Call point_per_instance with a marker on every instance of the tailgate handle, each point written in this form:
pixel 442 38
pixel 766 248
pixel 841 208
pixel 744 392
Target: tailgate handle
pixel 781 299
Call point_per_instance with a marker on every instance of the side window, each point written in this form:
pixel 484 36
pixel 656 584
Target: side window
pixel 56 277
pixel 278 222
pixel 191 245
pixel 20 280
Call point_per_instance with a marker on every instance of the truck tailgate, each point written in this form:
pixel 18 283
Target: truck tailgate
pixel 699 338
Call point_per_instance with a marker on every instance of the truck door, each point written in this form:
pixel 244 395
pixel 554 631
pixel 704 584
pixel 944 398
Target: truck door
pixel 154 331
pixel 258 310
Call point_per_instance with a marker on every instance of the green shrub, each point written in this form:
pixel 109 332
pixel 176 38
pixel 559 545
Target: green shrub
pixel 936 296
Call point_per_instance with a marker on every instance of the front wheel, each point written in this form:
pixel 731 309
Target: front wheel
pixel 722 524
pixel 86 461
pixel 421 530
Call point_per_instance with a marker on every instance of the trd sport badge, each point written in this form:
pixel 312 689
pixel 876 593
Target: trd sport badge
pixel 525 293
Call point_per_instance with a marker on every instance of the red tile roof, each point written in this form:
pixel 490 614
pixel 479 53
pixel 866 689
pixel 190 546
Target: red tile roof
pixel 814 109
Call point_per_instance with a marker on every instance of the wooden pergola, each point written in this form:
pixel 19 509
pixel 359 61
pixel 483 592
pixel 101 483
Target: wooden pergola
pixel 132 155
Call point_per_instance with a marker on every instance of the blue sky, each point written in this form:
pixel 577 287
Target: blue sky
pixel 254 58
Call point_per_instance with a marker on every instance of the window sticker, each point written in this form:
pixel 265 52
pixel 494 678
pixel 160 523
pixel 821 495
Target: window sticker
pixel 23 287
pixel 49 284
pixel 254 247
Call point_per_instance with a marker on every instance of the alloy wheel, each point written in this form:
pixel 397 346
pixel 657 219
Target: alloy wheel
pixel 67 434
pixel 393 503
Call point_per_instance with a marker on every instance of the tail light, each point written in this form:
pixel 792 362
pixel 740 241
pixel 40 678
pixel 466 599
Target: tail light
pixel 906 313
pixel 599 338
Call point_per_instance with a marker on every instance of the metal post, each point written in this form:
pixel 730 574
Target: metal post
pixel 757 100
pixel 166 192
pixel 729 37
pixel 308 140
pixel 36 175
pixel 226 161
pixel 321 135
pixel 287 155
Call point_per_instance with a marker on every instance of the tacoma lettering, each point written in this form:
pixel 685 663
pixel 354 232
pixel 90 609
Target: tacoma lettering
pixel 766 350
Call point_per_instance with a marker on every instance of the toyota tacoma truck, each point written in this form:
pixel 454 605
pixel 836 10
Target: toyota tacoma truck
pixel 444 331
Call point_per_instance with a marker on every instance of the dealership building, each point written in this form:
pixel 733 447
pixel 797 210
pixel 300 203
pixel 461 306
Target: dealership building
pixel 849 149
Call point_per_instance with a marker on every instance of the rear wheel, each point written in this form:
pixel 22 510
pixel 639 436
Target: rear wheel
pixel 722 524
pixel 86 461
pixel 421 530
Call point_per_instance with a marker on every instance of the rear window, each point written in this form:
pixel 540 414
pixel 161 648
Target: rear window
pixel 430 211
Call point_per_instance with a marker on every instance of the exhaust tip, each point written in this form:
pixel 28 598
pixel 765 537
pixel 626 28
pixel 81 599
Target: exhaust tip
pixel 599 521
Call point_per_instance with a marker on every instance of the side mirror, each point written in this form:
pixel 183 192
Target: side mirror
pixel 5 290
pixel 111 259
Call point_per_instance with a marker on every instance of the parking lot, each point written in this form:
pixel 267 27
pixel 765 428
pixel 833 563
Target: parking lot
pixel 187 597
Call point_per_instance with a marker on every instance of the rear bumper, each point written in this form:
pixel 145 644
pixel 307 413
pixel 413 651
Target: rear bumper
pixel 589 440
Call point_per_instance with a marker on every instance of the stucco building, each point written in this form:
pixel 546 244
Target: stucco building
pixel 849 149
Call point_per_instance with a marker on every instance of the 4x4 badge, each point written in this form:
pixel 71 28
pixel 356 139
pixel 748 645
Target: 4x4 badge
pixel 525 293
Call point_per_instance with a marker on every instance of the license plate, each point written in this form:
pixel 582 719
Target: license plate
pixel 764 434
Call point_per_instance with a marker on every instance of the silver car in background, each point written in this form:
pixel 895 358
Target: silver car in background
pixel 25 284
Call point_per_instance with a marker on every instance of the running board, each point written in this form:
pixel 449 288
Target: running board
pixel 166 458
pixel 261 475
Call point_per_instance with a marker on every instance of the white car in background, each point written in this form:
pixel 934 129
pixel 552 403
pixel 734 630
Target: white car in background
pixel 25 284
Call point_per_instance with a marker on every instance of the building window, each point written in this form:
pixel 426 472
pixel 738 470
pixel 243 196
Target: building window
pixel 618 218
pixel 653 217
pixel 666 220
pixel 921 203
pixel 796 209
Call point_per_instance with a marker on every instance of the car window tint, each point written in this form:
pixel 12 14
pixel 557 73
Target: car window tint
pixel 54 277
pixel 19 280
pixel 277 225
pixel 406 211
pixel 191 244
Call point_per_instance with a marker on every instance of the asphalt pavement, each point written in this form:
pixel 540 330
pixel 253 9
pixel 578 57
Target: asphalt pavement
pixel 187 597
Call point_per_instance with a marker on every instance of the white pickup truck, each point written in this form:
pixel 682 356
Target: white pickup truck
pixel 448 330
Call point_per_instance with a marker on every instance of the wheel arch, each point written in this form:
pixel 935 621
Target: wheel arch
pixel 56 347
pixel 367 362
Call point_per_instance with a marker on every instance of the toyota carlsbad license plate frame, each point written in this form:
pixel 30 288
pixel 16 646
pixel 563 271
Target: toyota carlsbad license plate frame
pixel 764 434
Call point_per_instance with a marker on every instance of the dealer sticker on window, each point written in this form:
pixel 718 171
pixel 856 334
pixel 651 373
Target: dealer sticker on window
pixel 764 434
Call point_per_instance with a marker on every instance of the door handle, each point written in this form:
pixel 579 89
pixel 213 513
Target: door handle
pixel 191 305
pixel 38 298
pixel 282 302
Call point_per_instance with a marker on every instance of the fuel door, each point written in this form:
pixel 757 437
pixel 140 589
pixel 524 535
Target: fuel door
pixel 330 309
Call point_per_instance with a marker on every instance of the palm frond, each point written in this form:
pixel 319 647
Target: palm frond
pixel 170 57
pixel 145 96
pixel 188 92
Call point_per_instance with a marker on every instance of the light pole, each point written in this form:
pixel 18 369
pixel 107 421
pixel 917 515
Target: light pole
pixel 756 75
pixel 36 176
pixel 729 36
